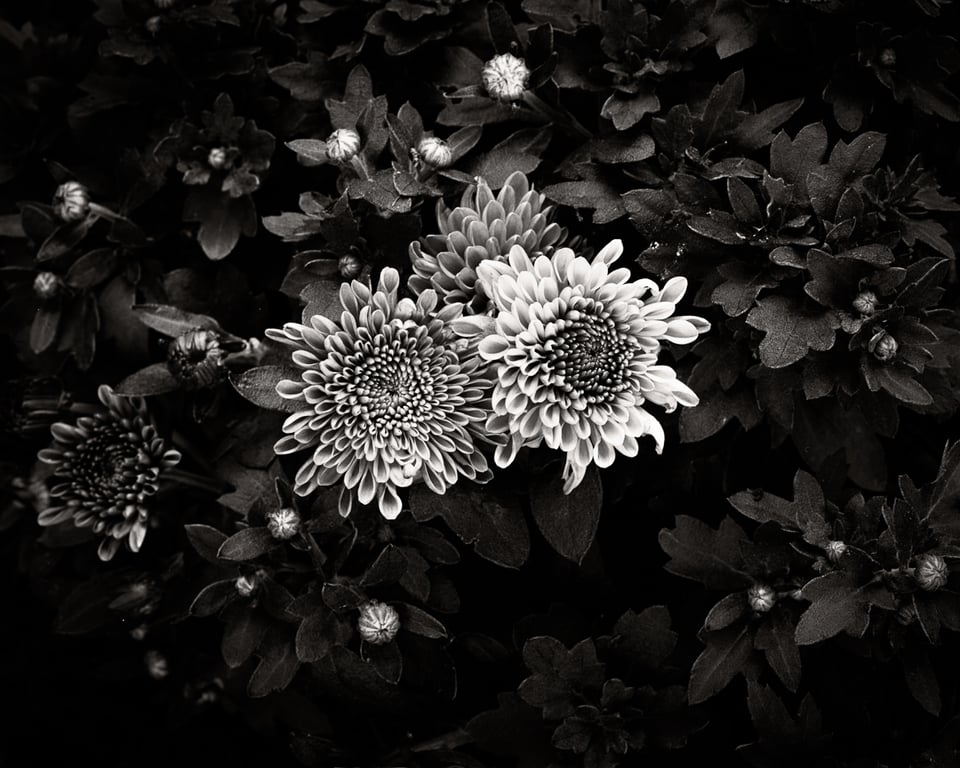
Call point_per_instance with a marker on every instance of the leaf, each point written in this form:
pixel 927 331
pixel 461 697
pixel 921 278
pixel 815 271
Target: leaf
pixel 791 330
pixel 837 605
pixel 646 637
pixel 155 379
pixel 498 532
pixel 321 297
pixel 600 198
pixel 756 131
pixel 213 597
pixel 921 678
pixel 728 610
pixel 312 150
pixel 726 655
pixel 859 157
pixel 518 152
pixel 173 321
pixel 720 114
pixel 242 634
pixel 623 148
pixel 775 637
pixel 502 33
pixel 259 386
pixel 278 664
pixel 626 110
pixel 793 160
pixel 64 238
pixel 415 620
pixel 567 521
pixel 206 540
pixel 247 544
pixel 385 659
pixel 93 268
pixel 731 32
pixel 223 219
pixel 712 557
pixel 43 329
pixel 742 284
pixel 313 640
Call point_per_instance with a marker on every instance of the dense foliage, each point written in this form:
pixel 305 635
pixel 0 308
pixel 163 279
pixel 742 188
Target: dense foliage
pixel 459 383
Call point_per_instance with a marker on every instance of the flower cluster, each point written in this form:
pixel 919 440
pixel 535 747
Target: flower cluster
pixel 109 464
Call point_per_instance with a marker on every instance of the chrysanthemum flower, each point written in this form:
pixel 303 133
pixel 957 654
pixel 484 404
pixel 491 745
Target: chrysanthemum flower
pixel 482 227
pixel 109 464
pixel 575 347
pixel 388 397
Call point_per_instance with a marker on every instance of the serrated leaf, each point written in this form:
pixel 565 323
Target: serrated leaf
pixel 712 557
pixel 726 655
pixel 836 605
pixel 791 330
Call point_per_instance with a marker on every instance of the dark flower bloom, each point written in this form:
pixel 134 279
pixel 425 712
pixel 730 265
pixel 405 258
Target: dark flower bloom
pixel 196 359
pixel 108 465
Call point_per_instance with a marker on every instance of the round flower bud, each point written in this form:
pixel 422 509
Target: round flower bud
pixel 883 346
pixel 931 572
pixel 866 303
pixel 350 266
pixel 906 614
pixel 46 286
pixel 835 550
pixel 505 77
pixel 761 598
pixel 72 201
pixel 283 523
pixel 435 152
pixel 152 25
pixel 157 666
pixel 888 57
pixel 343 145
pixel 378 622
pixel 196 360
pixel 246 585
pixel 217 158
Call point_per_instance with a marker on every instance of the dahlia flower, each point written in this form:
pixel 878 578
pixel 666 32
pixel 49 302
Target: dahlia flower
pixel 482 227
pixel 388 397
pixel 108 464
pixel 575 348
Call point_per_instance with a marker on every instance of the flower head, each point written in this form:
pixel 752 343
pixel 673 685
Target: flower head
pixel 482 227
pixel 883 346
pixel 505 77
pixel 575 347
pixel 931 572
pixel 196 359
pixel 109 464
pixel 435 152
pixel 283 523
pixel 835 550
pixel 761 598
pixel 72 201
pixel 387 396
pixel 378 622
pixel 342 145
pixel 46 286
pixel 218 158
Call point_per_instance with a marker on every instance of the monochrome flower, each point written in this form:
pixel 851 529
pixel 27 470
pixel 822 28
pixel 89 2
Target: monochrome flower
pixel 482 227
pixel 388 397
pixel 575 348
pixel 342 145
pixel 283 523
pixel 196 359
pixel 378 622
pixel 435 152
pixel 505 77
pixel 72 201
pixel 108 465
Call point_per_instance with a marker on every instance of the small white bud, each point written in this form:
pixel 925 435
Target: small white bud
pixel 931 572
pixel 505 77
pixel 883 346
pixel 761 598
pixel 378 622
pixel 283 523
pixel 866 303
pixel 46 286
pixel 246 585
pixel 435 152
pixel 156 663
pixel 835 550
pixel 343 145
pixel 217 158
pixel 72 201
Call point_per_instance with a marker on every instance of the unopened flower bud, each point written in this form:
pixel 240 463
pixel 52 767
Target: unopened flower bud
pixel 435 152
pixel 139 633
pixel 217 158
pixel 761 598
pixel 350 266
pixel 46 286
pixel 835 550
pixel 906 614
pixel 72 201
pixel 883 346
pixel 156 663
pixel 505 77
pixel 378 622
pixel 196 359
pixel 931 572
pixel 888 57
pixel 283 523
pixel 343 145
pixel 246 585
pixel 866 303
pixel 152 25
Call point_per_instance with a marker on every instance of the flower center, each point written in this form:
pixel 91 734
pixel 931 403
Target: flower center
pixel 589 358
pixel 106 461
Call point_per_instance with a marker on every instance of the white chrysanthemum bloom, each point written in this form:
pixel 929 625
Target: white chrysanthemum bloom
pixel 388 394
pixel 575 346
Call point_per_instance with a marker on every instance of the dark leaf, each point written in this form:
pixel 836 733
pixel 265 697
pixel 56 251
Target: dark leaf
pixel 791 330
pixel 567 521
pixel 259 386
pixel 712 557
pixel 727 654
pixel 155 379
pixel 247 544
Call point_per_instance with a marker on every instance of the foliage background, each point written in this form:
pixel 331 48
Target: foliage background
pixel 704 133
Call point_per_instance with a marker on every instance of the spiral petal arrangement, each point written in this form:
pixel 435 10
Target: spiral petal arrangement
pixel 575 348
pixel 108 465
pixel 481 228
pixel 388 397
